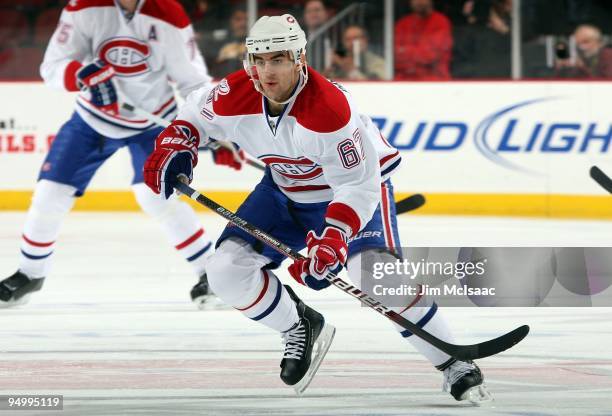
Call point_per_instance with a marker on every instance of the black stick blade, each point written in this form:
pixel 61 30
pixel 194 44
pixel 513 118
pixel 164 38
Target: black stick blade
pixel 491 347
pixel 601 178
pixel 410 203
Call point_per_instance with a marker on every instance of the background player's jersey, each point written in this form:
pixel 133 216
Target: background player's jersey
pixel 155 45
pixel 319 149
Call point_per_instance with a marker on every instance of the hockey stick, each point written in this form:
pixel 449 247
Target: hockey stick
pixel 601 178
pixel 165 123
pixel 460 352
pixel 409 203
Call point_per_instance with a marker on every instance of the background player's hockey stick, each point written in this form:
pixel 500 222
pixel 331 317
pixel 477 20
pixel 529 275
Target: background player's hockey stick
pixel 461 352
pixel 125 104
pixel 211 145
pixel 601 178
pixel 409 203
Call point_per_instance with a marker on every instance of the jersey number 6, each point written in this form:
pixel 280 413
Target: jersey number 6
pixel 349 155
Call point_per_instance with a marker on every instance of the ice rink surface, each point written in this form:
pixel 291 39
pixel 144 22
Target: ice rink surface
pixel 113 330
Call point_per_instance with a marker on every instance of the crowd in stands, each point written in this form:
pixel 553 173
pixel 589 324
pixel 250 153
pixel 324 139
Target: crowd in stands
pixel 433 39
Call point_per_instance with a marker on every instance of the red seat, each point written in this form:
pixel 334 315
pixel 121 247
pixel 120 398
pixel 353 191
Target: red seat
pixel 24 3
pixel 21 63
pixel 29 60
pixel 6 63
pixel 14 27
pixel 45 25
pixel 270 11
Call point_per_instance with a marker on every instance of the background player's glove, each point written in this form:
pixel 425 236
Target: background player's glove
pixel 326 253
pixel 96 77
pixel 176 153
pixel 226 156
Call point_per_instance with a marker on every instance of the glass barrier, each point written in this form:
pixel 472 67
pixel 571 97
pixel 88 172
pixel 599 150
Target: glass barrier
pixel 221 28
pixel 481 36
pixel 345 39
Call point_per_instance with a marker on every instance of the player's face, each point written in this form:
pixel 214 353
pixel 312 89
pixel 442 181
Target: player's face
pixel 277 73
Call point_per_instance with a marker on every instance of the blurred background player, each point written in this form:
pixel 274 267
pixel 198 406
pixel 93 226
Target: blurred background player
pixel 137 45
pixel 327 189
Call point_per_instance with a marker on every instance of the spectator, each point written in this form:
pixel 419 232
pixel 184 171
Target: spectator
pixel 315 16
pixel 483 47
pixel 353 60
pixel 231 53
pixel 423 44
pixel 594 59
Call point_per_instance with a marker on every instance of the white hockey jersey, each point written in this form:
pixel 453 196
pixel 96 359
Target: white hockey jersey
pixel 319 149
pixel 155 45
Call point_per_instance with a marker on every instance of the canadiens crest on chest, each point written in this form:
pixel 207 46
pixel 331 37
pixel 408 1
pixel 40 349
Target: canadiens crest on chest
pixel 297 169
pixel 127 55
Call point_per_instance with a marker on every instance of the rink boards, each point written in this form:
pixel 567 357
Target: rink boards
pixel 476 148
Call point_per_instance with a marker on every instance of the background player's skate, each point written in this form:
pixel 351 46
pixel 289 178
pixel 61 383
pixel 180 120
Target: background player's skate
pixel 204 298
pixel 16 289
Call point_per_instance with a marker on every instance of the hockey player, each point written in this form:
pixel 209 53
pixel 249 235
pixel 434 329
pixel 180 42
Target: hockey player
pixel 98 44
pixel 327 182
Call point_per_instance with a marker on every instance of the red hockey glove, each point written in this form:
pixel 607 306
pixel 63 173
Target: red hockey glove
pixel 226 156
pixel 175 154
pixel 326 253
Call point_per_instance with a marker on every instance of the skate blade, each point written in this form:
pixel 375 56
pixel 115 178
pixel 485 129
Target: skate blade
pixel 322 345
pixel 210 303
pixel 477 395
pixel 14 303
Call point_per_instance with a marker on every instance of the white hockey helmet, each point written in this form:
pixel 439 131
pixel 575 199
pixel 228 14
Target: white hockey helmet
pixel 276 34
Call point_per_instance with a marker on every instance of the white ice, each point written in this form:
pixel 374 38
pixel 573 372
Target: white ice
pixel 113 331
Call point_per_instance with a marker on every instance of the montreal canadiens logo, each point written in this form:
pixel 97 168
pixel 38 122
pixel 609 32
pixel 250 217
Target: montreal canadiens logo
pixel 222 88
pixel 128 56
pixel 301 169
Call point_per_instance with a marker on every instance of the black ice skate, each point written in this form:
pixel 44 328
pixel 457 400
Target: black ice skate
pixel 203 296
pixel 306 344
pixel 15 290
pixel 464 381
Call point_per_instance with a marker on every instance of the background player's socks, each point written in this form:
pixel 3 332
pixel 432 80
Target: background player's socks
pixel 196 249
pixel 181 225
pixel 50 204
